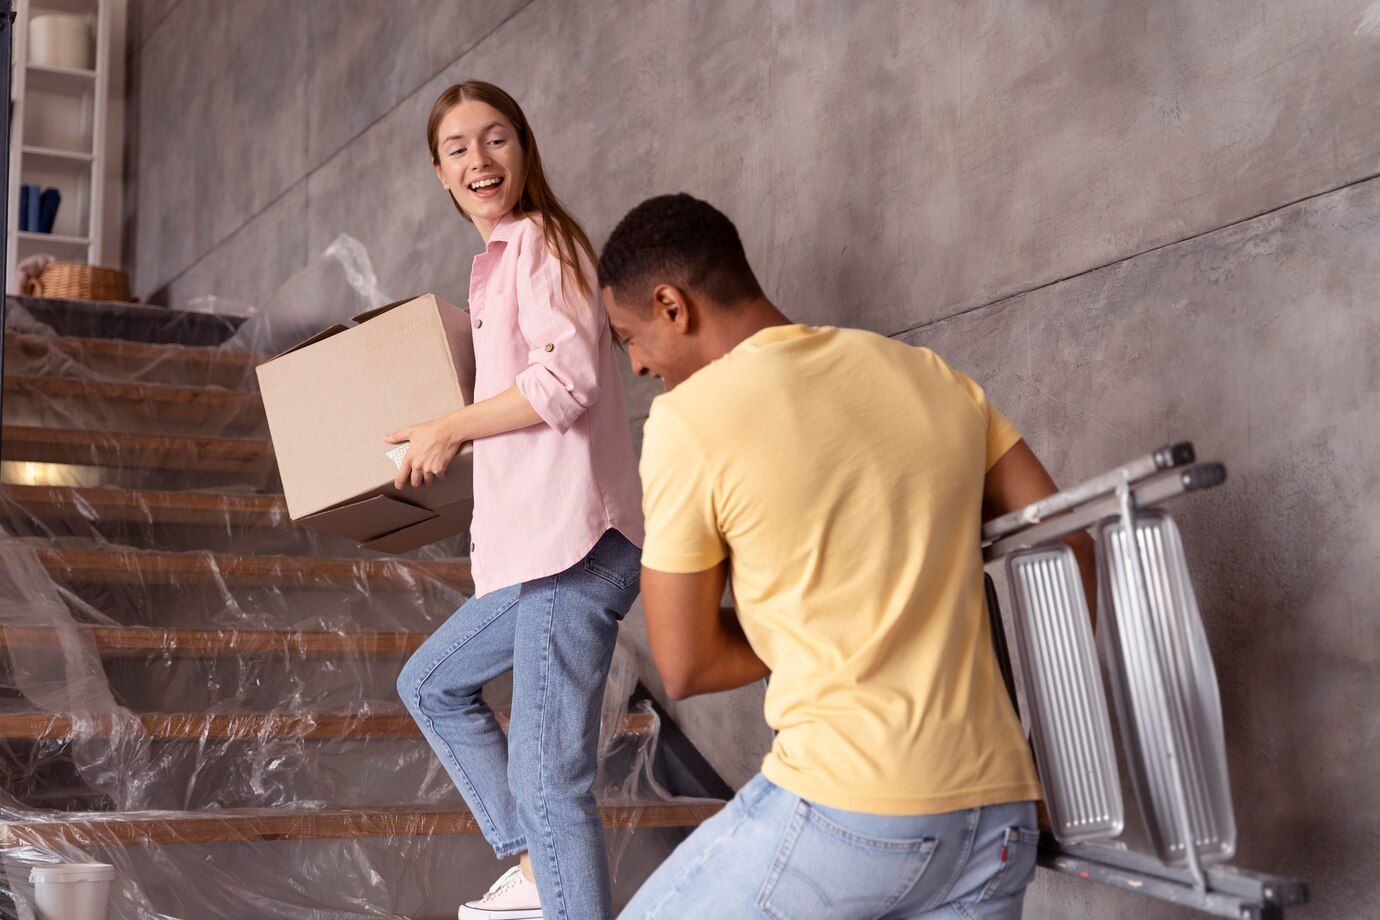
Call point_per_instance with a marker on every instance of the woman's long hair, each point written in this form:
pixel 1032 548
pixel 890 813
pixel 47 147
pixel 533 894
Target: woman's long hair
pixel 563 232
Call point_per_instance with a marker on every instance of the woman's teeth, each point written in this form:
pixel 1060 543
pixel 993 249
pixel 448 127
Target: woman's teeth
pixel 485 183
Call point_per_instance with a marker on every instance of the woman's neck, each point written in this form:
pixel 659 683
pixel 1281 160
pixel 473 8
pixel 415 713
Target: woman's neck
pixel 486 226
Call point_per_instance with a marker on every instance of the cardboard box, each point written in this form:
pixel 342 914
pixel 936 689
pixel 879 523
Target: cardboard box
pixel 331 401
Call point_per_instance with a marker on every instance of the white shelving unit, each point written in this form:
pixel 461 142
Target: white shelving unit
pixel 67 132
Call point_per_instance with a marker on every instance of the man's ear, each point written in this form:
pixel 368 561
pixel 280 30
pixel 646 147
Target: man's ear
pixel 670 303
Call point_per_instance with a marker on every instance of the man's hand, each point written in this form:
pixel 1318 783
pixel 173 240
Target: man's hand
pixel 434 445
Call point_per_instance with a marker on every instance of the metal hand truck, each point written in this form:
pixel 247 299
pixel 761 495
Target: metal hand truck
pixel 1165 690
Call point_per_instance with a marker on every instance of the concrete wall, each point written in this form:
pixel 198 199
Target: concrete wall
pixel 1132 221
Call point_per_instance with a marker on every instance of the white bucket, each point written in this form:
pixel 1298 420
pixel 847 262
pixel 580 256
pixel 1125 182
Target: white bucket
pixel 61 40
pixel 78 891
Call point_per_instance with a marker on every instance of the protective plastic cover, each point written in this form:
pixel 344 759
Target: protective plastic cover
pixel 201 694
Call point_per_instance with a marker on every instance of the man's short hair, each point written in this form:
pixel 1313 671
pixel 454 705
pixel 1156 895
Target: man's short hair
pixel 677 239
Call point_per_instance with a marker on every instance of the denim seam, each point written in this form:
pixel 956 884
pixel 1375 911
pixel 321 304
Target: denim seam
pixel 620 582
pixel 548 839
pixel 961 863
pixel 867 844
pixel 783 855
pixel 485 819
pixel 654 911
pixel 1013 835
pixel 922 851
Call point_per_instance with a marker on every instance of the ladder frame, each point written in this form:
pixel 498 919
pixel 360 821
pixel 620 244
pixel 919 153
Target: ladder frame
pixel 1219 890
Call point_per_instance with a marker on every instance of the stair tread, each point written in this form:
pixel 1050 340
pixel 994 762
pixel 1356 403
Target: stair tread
pixel 153 351
pixel 128 641
pixel 149 567
pixel 113 355
pixel 124 448
pixel 167 827
pixel 151 505
pixel 162 394
pixel 249 726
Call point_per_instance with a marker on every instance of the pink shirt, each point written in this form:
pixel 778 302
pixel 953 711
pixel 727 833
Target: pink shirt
pixel 544 495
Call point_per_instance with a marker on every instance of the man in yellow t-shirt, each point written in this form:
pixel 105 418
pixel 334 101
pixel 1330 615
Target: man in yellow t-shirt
pixel 839 478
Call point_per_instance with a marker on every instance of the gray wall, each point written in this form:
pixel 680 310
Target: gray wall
pixel 1132 221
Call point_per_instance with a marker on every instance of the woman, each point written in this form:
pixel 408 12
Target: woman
pixel 557 521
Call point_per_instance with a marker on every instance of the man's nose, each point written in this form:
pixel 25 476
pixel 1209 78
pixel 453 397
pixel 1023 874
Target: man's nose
pixel 639 368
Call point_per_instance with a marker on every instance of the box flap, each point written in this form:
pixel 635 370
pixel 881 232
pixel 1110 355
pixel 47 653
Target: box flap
pixel 330 406
pixel 323 334
pixel 376 311
pixel 422 534
pixel 368 518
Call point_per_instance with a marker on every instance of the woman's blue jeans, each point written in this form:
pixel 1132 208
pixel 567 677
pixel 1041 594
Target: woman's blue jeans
pixel 532 789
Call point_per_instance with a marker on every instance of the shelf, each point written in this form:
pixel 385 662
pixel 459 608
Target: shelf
pixel 57 240
pixel 44 79
pixel 50 158
pixel 39 7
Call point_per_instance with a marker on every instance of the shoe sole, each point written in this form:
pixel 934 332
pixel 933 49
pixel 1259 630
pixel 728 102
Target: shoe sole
pixel 481 913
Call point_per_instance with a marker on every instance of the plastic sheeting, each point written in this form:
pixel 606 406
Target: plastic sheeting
pixel 174 645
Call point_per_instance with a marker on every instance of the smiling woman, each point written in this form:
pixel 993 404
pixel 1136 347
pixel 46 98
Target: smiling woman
pixel 478 123
pixel 557 529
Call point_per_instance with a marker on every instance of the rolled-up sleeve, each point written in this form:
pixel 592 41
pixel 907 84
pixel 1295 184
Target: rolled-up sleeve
pixel 563 328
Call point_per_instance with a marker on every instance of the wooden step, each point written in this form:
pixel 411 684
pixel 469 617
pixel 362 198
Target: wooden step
pixel 167 827
pixel 146 641
pixel 173 405
pixel 149 506
pixel 144 451
pixel 119 357
pixel 247 726
pixel 285 572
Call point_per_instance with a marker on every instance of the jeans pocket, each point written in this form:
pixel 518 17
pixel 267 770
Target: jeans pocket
pixel 1015 866
pixel 825 870
pixel 615 559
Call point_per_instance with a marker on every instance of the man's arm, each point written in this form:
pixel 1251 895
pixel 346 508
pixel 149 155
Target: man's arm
pixel 698 646
pixel 1019 479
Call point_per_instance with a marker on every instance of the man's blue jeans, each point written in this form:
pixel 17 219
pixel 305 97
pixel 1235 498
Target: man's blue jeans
pixel 772 854
pixel 533 788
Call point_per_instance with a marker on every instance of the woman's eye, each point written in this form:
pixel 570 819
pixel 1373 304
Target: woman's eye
pixel 457 151
pixel 499 142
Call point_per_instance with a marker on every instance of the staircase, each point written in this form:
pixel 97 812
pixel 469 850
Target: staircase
pixel 202 694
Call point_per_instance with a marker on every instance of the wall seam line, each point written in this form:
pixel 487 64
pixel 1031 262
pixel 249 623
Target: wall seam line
pixel 1117 261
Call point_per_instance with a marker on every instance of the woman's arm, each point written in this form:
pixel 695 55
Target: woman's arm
pixel 434 444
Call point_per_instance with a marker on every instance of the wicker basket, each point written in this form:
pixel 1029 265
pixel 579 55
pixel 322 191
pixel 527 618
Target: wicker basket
pixel 78 281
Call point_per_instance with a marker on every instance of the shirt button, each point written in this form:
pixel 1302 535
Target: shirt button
pixel 478 323
pixel 551 348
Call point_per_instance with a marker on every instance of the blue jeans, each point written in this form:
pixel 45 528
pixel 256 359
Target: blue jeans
pixel 533 789
pixel 772 854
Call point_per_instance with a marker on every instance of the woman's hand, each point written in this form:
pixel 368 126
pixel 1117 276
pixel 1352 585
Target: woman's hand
pixel 434 445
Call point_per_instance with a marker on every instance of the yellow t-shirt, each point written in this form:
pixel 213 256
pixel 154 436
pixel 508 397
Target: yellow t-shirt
pixel 842 474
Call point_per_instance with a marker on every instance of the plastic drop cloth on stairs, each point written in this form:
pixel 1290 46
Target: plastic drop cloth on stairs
pixel 201 694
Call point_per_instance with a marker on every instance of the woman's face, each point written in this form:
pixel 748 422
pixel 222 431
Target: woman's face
pixel 481 162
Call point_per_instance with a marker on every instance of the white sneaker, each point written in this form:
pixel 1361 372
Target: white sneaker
pixel 512 897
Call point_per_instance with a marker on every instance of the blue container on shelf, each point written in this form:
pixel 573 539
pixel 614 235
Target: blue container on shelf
pixel 48 202
pixel 29 196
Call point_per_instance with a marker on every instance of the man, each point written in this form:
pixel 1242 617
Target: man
pixel 840 478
